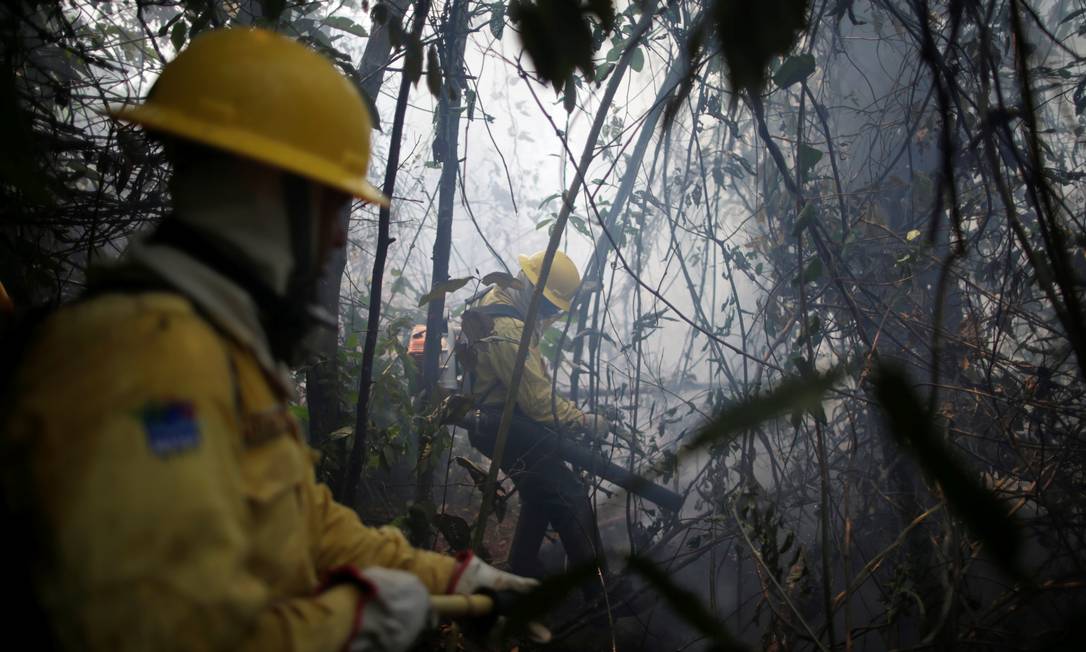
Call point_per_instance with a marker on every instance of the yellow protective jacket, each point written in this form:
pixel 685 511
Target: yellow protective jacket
pixel 496 356
pixel 176 498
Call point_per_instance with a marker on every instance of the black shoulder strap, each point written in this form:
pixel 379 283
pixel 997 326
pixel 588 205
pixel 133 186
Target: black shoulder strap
pixel 498 310
pixel 478 295
pixel 129 281
pixel 123 281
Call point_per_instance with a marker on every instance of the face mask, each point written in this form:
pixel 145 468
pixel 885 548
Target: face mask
pixel 291 328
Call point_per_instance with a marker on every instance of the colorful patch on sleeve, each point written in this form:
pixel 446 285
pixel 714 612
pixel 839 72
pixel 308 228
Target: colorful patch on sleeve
pixel 171 427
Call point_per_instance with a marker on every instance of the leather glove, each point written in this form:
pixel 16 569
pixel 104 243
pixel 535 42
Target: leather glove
pixel 596 424
pixel 393 610
pixel 474 575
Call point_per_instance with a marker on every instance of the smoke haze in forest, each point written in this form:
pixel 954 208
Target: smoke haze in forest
pixel 856 282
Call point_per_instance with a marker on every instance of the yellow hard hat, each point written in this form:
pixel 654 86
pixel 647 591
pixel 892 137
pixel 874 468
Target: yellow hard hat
pixel 264 96
pixel 562 282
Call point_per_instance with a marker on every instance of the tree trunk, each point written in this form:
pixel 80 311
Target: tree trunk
pixel 322 379
pixel 446 151
pixel 353 475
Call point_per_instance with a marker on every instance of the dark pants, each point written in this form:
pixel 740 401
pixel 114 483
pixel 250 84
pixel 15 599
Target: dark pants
pixel 550 493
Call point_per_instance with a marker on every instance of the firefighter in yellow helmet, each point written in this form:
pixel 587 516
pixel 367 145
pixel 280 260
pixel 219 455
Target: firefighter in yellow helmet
pixel 551 493
pixel 172 495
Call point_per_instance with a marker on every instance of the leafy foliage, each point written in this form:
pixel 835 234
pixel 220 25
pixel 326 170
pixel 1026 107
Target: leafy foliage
pixel 902 185
pixel 912 426
pixel 441 289
pixel 558 37
pixel 687 605
pixel 750 34
pixel 792 394
pixel 795 69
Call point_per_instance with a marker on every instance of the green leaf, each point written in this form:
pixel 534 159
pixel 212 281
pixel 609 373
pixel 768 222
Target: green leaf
pixel 433 72
pixel 811 272
pixel 497 19
pixel 795 69
pixel 396 36
pixel 300 412
pixel 320 39
pixel 557 35
pixel 579 224
pixel 503 280
pixel 455 530
pixel 569 98
pixel 806 158
pixel 788 540
pixel 593 331
pixel 375 116
pixel 379 13
pixel 478 475
pixel 273 9
pixel 454 408
pixel 344 24
pixel 604 11
pixel 441 289
pixel 1071 16
pixel 551 342
pixel 637 59
pixel 341 433
pixel 797 393
pixel 686 604
pixel 470 94
pixel 551 592
pixel 750 34
pixel 418 518
pixel 177 34
pixel 807 216
pixel 549 198
pixel 412 59
pixel 914 429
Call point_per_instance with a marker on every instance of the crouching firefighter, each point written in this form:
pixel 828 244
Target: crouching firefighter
pixel 551 493
pixel 147 442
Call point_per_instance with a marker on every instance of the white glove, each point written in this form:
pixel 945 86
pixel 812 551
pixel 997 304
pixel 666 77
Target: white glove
pixel 475 575
pixel 596 424
pixel 395 608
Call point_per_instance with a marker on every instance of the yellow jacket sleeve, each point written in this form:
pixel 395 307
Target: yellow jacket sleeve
pixel 345 540
pixel 134 449
pixel 534 397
